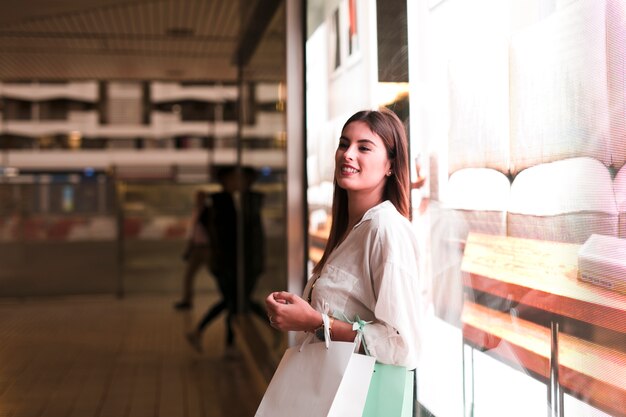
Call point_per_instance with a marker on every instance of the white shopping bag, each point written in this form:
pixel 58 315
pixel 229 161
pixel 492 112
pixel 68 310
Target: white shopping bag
pixel 313 380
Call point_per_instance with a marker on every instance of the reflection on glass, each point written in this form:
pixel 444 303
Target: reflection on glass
pixel 263 147
pixel 517 115
pixel 523 165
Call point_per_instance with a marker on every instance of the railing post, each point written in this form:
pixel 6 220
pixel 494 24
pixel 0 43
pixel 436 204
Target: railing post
pixel 555 394
pixel 468 381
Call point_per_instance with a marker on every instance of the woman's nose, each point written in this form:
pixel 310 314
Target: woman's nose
pixel 349 153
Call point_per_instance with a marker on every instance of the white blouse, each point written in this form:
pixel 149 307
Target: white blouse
pixel 373 274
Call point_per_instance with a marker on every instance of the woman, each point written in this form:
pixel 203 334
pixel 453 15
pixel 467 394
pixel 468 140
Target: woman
pixel 366 280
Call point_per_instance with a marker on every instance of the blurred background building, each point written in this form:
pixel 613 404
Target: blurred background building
pixel 100 171
pixel 112 114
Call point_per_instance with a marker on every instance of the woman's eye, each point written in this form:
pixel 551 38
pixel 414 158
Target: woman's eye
pixel 342 145
pixel 364 148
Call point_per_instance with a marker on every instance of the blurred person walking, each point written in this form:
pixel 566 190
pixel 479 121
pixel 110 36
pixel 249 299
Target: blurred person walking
pixel 236 197
pixel 196 252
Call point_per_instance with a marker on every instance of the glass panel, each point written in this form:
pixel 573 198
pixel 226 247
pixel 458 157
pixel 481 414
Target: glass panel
pixel 262 150
pixel 514 112
pixel 59 226
pixel 517 138
pixel 155 226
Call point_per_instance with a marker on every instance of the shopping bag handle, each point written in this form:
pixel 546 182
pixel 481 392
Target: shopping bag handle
pixel 326 322
pixel 307 340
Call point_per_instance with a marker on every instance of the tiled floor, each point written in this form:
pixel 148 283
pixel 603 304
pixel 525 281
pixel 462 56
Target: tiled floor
pixel 106 357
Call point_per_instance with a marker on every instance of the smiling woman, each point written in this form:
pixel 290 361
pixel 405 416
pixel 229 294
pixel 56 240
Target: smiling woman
pixel 361 160
pixel 381 157
pixel 366 284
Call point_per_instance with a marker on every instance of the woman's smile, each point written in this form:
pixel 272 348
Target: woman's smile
pixel 348 170
pixel 361 159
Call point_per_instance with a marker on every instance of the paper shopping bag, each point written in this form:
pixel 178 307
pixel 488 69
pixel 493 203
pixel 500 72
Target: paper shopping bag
pixel 314 381
pixel 390 393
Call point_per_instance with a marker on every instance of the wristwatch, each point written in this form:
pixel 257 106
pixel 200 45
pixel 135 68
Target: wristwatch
pixel 319 332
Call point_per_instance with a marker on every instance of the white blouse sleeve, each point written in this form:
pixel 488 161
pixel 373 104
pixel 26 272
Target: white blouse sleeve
pixel 393 337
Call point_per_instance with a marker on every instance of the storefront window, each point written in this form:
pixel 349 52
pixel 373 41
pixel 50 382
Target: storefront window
pixel 516 118
pixel 518 109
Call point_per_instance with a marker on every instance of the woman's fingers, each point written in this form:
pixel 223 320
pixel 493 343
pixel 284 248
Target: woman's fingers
pixel 272 310
pixel 276 303
pixel 287 311
pixel 283 297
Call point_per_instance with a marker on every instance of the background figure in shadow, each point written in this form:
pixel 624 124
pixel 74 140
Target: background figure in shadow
pixel 196 253
pixel 236 197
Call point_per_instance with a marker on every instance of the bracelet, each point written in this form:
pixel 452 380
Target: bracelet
pixel 319 332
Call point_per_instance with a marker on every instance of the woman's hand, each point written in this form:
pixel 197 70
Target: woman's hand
pixel 287 311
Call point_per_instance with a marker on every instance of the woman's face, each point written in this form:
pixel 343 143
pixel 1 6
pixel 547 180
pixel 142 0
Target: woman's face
pixel 361 161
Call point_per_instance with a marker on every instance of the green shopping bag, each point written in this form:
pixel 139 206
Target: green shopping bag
pixel 390 393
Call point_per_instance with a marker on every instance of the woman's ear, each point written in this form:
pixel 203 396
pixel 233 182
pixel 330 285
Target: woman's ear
pixel 389 168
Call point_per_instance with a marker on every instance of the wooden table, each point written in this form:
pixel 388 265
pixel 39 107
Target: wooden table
pixel 540 274
pixel 543 275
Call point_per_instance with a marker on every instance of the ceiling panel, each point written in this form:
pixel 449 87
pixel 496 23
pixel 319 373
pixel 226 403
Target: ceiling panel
pixel 136 39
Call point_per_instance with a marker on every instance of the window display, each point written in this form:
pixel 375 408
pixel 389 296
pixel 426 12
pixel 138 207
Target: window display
pixel 517 120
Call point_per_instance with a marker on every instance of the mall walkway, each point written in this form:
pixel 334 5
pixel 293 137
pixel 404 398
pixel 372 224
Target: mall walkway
pixel 106 357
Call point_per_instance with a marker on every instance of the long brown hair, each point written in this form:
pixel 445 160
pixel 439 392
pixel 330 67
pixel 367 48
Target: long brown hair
pixel 390 129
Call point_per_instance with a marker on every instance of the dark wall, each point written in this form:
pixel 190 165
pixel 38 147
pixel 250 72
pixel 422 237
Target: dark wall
pixel 393 54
